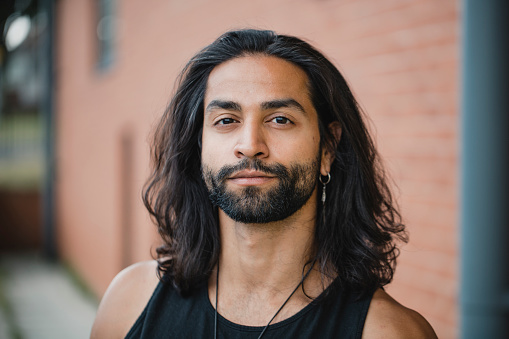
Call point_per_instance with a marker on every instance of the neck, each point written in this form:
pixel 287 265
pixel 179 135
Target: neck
pixel 261 264
pixel 261 256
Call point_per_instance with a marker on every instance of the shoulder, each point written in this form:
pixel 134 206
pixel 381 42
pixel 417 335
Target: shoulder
pixel 387 318
pixel 124 300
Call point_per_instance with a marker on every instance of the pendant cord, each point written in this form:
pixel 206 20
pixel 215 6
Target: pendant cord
pixel 279 310
pixel 267 326
pixel 217 288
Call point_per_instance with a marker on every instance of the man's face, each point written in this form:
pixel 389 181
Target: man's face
pixel 260 142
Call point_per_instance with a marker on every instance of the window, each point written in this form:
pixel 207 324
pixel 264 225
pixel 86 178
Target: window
pixel 105 32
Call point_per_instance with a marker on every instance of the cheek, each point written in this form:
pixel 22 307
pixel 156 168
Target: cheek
pixel 300 148
pixel 206 148
pixel 207 159
pixel 207 167
pixel 217 149
pixel 212 154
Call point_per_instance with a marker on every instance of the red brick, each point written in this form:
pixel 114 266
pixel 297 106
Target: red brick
pixel 400 56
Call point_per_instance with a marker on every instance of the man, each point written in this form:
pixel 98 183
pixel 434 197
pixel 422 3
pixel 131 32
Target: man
pixel 276 218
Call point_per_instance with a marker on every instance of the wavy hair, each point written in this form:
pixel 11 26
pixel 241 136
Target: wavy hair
pixel 356 232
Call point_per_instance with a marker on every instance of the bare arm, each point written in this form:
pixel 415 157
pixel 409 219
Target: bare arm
pixel 124 300
pixel 388 319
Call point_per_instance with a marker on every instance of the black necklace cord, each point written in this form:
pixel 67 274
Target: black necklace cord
pixel 267 326
pixel 279 310
pixel 217 288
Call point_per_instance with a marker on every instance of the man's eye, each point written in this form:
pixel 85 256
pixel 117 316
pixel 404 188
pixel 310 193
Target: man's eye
pixel 225 121
pixel 282 120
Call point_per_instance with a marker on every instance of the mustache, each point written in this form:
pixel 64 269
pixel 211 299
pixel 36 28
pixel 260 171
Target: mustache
pixel 275 169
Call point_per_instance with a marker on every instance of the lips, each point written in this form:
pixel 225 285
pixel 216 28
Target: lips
pixel 251 174
pixel 251 178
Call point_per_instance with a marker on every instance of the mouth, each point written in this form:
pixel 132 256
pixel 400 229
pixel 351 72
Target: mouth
pixel 251 178
pixel 251 174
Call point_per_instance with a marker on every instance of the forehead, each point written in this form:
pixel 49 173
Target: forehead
pixel 259 77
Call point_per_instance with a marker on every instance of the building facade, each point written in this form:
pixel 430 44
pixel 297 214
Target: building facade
pixel 116 62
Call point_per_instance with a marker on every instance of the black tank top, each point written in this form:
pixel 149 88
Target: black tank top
pixel 168 315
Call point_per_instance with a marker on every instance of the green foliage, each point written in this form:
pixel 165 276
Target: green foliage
pixel 6 308
pixel 21 151
pixel 80 284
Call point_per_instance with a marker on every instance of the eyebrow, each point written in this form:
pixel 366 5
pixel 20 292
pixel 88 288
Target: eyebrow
pixel 223 104
pixel 290 103
pixel 272 104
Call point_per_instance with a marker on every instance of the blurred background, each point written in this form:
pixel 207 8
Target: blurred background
pixel 83 83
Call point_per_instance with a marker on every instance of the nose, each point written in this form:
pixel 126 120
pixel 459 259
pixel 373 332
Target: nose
pixel 251 141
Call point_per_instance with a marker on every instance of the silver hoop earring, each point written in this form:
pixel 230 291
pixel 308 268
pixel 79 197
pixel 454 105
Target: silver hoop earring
pixel 324 183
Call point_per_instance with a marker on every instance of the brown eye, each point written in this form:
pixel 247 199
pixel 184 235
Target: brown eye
pixel 225 121
pixel 281 120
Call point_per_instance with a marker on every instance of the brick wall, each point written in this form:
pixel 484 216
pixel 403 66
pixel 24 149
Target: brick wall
pixel 400 57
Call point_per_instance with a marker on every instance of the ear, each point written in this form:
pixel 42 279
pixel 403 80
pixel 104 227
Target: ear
pixel 327 153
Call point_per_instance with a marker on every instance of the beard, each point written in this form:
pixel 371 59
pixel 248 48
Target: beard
pixel 254 204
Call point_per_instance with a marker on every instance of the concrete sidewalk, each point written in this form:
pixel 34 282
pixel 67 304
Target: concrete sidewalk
pixel 41 301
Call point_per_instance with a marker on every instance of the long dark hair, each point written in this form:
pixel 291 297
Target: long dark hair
pixel 357 230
